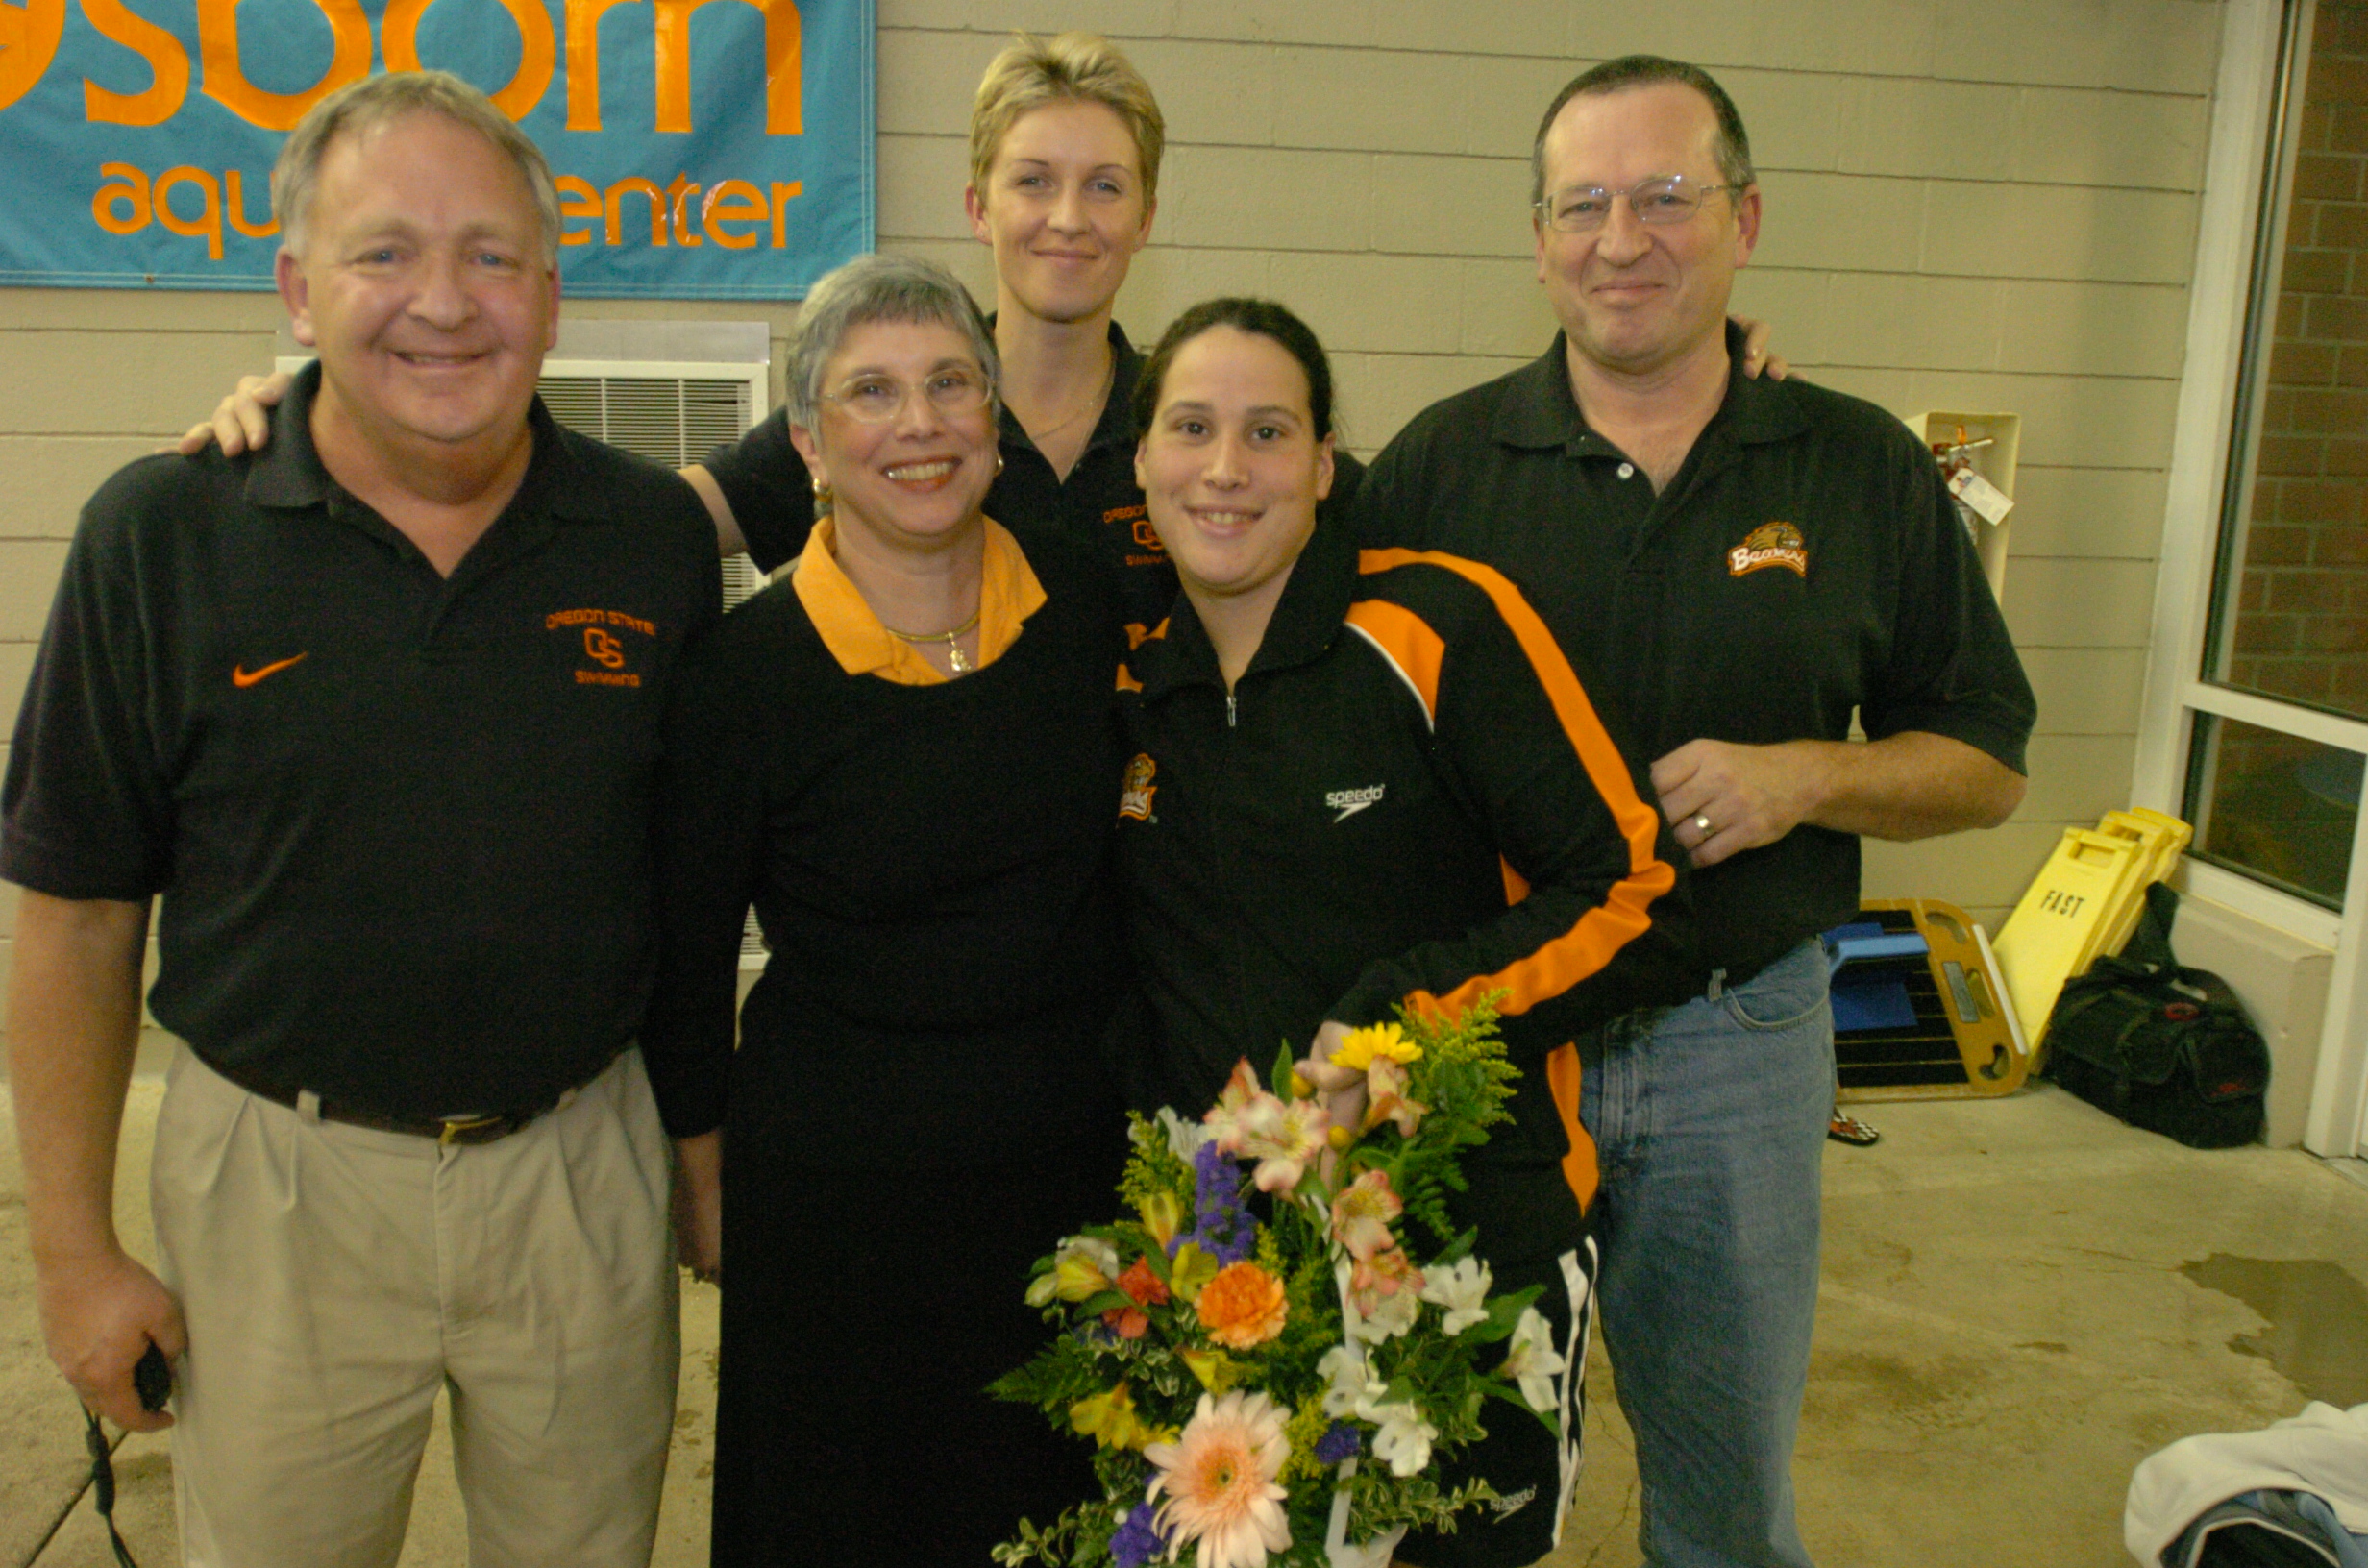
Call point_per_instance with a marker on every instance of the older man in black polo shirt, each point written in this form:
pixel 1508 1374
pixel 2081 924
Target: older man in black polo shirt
pixel 376 712
pixel 1741 563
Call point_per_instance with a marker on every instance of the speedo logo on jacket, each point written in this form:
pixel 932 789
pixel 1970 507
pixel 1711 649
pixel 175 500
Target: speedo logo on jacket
pixel 1348 803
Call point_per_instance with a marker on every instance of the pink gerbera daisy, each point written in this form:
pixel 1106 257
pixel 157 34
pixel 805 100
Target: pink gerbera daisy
pixel 1219 1477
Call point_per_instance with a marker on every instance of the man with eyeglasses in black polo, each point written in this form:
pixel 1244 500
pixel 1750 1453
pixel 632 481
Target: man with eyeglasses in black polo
pixel 1740 563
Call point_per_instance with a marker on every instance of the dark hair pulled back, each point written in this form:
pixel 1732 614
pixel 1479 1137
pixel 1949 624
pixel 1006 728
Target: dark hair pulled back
pixel 1261 317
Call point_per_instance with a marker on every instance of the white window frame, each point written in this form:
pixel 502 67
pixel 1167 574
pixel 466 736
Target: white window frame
pixel 2244 100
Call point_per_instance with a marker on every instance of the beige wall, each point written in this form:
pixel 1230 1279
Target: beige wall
pixel 1968 206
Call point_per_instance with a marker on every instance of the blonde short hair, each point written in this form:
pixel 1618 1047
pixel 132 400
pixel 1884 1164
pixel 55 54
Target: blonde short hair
pixel 375 101
pixel 1073 67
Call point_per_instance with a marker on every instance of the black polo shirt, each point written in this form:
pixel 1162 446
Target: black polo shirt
pixel 772 495
pixel 1805 561
pixel 400 822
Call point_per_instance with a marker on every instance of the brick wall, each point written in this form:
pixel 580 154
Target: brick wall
pixel 2302 628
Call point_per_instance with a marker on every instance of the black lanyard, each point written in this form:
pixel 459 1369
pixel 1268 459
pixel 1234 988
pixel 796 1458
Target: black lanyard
pixel 103 1484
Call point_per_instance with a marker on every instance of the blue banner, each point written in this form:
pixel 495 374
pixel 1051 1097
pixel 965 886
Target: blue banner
pixel 704 149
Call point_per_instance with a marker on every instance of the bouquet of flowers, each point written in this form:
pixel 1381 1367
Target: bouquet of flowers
pixel 1274 1386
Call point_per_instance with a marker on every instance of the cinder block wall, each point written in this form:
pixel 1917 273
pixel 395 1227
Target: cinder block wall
pixel 1968 206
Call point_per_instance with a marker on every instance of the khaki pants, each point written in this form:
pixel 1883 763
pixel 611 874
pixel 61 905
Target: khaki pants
pixel 333 1279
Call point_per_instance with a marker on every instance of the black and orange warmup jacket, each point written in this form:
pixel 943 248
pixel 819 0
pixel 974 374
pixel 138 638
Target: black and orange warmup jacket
pixel 1411 769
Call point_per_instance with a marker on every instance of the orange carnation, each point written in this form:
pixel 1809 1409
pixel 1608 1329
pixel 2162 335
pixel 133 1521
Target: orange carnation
pixel 1243 1306
pixel 1146 1287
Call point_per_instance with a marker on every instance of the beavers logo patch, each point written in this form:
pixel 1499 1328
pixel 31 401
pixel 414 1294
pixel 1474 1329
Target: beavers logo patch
pixel 1770 544
pixel 1135 799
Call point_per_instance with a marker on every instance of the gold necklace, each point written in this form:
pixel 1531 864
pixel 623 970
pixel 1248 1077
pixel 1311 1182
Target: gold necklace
pixel 951 640
pixel 1109 379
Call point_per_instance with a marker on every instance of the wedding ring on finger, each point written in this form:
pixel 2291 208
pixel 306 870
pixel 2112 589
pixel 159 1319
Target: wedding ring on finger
pixel 1702 826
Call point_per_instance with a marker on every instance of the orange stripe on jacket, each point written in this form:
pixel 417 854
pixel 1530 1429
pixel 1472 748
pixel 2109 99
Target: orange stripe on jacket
pixel 1562 1078
pixel 1602 931
pixel 1407 641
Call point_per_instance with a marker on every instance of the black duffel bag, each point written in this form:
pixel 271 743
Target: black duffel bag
pixel 2160 1046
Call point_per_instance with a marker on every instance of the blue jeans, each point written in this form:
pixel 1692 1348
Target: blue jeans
pixel 1710 1124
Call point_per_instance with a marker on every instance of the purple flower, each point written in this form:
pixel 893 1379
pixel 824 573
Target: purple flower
pixel 1339 1443
pixel 1138 1540
pixel 1221 1224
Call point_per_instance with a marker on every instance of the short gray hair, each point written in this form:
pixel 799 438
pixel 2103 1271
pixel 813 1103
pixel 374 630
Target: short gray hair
pixel 877 288
pixel 1731 148
pixel 375 101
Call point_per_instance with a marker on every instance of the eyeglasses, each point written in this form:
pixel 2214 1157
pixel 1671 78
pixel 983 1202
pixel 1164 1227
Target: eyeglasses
pixel 955 392
pixel 1582 209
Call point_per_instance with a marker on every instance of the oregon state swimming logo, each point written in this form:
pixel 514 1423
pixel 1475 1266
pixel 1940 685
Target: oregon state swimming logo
pixel 1146 538
pixel 602 645
pixel 1770 544
pixel 1135 799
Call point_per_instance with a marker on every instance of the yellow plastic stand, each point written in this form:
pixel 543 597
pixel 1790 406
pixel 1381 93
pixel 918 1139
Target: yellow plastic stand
pixel 2163 839
pixel 2065 917
pixel 2165 836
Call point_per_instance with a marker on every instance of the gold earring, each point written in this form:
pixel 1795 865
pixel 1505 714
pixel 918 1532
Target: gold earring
pixel 822 498
pixel 998 465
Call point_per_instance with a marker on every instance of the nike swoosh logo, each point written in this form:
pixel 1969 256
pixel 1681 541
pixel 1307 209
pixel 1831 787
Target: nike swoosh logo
pixel 241 675
pixel 1350 811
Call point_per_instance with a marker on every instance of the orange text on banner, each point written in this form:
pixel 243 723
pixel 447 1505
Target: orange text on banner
pixel 733 214
pixel 167 61
pixel 784 52
pixel 226 82
pixel 29 32
pixel 131 200
pixel 727 202
pixel 537 49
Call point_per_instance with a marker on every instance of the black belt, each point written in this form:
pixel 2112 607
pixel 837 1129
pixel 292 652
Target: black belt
pixel 450 1132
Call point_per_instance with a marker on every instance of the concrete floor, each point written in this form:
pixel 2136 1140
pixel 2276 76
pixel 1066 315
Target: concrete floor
pixel 2022 1298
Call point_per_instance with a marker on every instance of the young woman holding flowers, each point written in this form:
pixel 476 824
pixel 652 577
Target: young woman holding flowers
pixel 1360 782
pixel 903 755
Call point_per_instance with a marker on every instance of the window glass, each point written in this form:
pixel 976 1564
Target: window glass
pixel 2291 617
pixel 2277 807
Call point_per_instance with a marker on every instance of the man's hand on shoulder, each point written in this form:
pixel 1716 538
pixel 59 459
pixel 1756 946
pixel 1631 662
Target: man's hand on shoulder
pixel 1758 361
pixel 1724 797
pixel 99 1315
pixel 241 421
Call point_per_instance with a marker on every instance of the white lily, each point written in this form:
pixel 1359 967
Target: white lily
pixel 1404 1441
pixel 1184 1137
pixel 1534 1361
pixel 1342 1369
pixel 1462 1291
